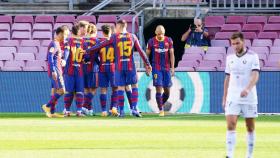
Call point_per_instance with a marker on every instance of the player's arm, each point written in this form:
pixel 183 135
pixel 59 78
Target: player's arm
pixel 226 84
pixel 186 35
pixel 51 54
pixel 142 55
pixel 149 48
pixel 101 45
pixel 66 50
pixel 172 57
pixel 253 78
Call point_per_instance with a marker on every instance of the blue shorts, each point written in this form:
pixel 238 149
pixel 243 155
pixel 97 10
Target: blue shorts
pixel 162 78
pixel 124 78
pixel 74 83
pixel 107 79
pixel 91 80
pixel 58 83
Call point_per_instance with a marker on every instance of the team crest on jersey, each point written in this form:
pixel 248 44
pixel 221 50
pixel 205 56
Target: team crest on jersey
pixel 244 61
pixel 155 76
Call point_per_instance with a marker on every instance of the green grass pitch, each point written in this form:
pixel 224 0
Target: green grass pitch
pixel 174 136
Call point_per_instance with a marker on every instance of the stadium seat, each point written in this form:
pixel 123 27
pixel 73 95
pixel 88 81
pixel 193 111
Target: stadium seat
pixel 24 19
pixel 271 28
pixel 1 64
pixel 248 43
pixel 21 35
pixel 91 18
pixel 231 28
pixel 6 56
pixel 262 43
pixel 24 56
pixel 21 27
pixel 268 35
pixel 250 35
pixel 65 19
pixel 270 69
pixel 42 55
pixel 214 57
pixel 195 50
pixel 214 24
pixel 192 57
pixel 220 43
pixel 252 28
pixel 209 63
pixel 257 20
pixel 8 50
pixel 30 43
pixel 188 64
pixel 276 42
pixel 35 65
pixel 11 68
pixel 260 50
pixel 230 50
pixel 44 19
pixel 56 25
pixel 223 35
pixel 274 57
pixel 14 63
pixel 42 27
pixel 5 27
pixel 275 50
pixel 262 57
pixel 42 35
pixel 236 20
pixel 4 35
pixel 274 19
pixel 33 50
pixel 9 43
pixel 216 50
pixel 107 19
pixel 6 19
pixel 272 64
pixel 45 43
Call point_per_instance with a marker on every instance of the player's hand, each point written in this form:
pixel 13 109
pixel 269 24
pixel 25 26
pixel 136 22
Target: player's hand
pixel 244 93
pixel 172 72
pixel 63 63
pixel 148 69
pixel 54 76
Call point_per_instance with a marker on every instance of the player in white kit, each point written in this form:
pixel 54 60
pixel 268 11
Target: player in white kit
pixel 240 94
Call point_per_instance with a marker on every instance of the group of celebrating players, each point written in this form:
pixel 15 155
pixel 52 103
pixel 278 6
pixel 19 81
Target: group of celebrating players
pixel 80 63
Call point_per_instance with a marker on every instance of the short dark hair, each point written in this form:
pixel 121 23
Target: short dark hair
pixel 106 29
pixel 237 35
pixel 122 22
pixel 75 29
pixel 83 23
pixel 61 29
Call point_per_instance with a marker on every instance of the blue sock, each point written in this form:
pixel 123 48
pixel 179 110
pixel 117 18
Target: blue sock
pixel 68 98
pixel 134 98
pixel 79 101
pixel 121 99
pixel 159 101
pixel 103 100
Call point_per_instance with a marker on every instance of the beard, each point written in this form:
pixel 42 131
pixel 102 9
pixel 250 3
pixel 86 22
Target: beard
pixel 240 52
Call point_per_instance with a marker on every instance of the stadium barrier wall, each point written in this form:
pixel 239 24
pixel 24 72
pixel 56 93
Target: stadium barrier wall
pixel 192 92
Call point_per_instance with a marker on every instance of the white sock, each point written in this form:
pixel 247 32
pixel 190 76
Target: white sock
pixel 250 144
pixel 230 143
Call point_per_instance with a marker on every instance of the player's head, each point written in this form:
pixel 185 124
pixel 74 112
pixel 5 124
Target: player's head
pixel 62 32
pixel 106 30
pixel 121 26
pixel 92 30
pixel 75 30
pixel 160 32
pixel 197 22
pixel 83 27
pixel 237 42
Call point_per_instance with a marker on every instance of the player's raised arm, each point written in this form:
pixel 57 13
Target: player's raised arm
pixel 101 45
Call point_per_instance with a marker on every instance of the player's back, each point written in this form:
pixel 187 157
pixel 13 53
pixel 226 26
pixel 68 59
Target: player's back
pixel 107 58
pixel 91 58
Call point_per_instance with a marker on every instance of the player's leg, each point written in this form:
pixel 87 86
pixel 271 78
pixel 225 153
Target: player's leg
pixel 167 83
pixel 47 107
pixel 114 102
pixel 250 124
pixel 134 101
pixel 79 88
pixel 232 111
pixel 95 84
pixel 159 100
pixel 103 101
pixel 121 100
pixel 231 134
pixel 128 94
pixel 250 113
pixel 69 94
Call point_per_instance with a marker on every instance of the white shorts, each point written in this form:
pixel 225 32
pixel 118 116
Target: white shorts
pixel 246 110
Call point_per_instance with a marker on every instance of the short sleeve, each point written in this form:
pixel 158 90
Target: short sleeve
pixel 150 44
pixel 170 43
pixel 256 63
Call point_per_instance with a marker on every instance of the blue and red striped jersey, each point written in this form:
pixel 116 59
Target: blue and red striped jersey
pixel 107 58
pixel 160 52
pixel 91 60
pixel 123 44
pixel 54 56
pixel 74 55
